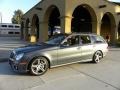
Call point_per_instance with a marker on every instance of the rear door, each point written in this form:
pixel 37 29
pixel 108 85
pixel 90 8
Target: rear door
pixel 87 48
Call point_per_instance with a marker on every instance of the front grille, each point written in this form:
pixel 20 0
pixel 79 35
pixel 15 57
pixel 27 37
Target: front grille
pixel 12 56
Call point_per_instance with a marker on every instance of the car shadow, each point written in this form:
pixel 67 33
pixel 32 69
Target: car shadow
pixel 5 69
pixel 88 62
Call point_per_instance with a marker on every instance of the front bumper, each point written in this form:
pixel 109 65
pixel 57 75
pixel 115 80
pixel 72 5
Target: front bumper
pixel 18 66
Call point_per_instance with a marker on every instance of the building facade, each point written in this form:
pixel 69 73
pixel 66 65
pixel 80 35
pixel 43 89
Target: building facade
pixel 9 29
pixel 94 16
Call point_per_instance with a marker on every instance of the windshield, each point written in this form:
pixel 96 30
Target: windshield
pixel 57 39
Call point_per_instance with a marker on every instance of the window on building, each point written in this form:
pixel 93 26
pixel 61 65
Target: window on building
pixel 10 26
pixel 4 25
pixel 17 26
pixel 10 32
pixel 17 32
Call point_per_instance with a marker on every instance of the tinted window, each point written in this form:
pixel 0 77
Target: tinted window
pixel 57 39
pixel 97 39
pixel 72 41
pixel 85 39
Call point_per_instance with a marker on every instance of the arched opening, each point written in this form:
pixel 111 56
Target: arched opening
pixel 84 19
pixel 107 27
pixel 119 30
pixel 52 16
pixel 22 28
pixel 27 30
pixel 35 26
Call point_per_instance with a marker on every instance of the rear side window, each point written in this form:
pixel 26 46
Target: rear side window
pixel 98 39
pixel 85 39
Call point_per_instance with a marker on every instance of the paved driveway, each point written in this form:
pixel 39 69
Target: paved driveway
pixel 9 43
pixel 80 76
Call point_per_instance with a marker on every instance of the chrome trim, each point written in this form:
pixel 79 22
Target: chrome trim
pixel 12 59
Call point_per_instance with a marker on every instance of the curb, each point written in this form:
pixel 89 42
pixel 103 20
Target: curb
pixel 3 60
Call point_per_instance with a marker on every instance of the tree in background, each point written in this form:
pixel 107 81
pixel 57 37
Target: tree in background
pixel 16 19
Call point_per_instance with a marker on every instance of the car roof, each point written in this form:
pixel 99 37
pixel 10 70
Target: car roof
pixel 78 33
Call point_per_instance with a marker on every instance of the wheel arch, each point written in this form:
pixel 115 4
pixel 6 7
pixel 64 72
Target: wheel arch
pixel 96 51
pixel 28 66
pixel 100 51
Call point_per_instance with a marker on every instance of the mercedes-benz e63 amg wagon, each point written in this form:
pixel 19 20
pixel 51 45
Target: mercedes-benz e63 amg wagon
pixel 61 49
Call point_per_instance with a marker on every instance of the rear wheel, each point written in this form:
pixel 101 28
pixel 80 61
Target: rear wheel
pixel 39 66
pixel 97 56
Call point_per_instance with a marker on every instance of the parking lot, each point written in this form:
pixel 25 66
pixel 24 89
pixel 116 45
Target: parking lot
pixel 81 76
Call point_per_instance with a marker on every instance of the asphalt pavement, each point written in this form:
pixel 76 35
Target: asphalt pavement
pixel 80 76
pixel 7 44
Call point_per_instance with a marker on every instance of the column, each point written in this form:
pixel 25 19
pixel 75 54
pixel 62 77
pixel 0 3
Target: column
pixel 114 34
pixel 43 33
pixel 66 24
pixel 96 27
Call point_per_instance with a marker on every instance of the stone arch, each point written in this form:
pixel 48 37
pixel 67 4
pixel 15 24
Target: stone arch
pixel 27 29
pixel 84 19
pixel 35 26
pixel 108 26
pixel 52 19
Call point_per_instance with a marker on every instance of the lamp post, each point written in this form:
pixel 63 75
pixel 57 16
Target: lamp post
pixel 0 17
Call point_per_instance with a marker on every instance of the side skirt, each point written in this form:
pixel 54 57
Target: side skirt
pixel 71 63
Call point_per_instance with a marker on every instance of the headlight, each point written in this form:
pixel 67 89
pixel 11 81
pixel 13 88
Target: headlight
pixel 19 56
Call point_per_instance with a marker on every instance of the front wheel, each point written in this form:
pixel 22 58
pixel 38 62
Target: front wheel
pixel 39 66
pixel 97 56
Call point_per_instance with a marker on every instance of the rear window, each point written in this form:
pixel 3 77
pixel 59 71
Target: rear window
pixel 98 39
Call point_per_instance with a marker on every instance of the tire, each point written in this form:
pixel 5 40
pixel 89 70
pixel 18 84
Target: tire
pixel 97 57
pixel 39 66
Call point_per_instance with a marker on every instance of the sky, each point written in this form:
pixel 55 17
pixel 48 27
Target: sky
pixel 7 7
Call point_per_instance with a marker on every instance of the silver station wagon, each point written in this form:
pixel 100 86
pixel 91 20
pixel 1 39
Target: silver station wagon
pixel 61 49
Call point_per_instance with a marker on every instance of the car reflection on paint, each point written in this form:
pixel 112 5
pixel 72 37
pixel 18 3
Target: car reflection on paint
pixel 61 49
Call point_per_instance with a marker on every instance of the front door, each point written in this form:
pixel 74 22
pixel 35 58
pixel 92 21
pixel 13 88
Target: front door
pixel 69 51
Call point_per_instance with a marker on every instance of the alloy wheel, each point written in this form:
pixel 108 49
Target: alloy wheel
pixel 39 66
pixel 97 57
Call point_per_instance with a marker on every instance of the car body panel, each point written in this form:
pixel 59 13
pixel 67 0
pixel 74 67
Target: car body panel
pixel 68 54
pixel 87 51
pixel 58 54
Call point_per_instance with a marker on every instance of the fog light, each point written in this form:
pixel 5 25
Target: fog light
pixel 16 67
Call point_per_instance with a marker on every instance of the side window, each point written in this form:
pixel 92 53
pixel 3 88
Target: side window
pixel 72 41
pixel 97 39
pixel 85 39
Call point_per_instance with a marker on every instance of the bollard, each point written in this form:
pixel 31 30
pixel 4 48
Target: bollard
pixel 33 39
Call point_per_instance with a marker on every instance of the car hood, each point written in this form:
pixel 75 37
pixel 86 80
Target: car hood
pixel 34 47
